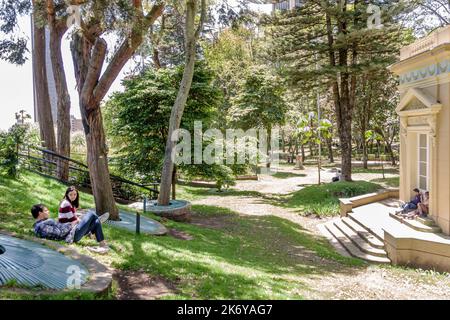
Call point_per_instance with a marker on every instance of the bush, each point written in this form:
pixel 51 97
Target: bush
pixel 9 144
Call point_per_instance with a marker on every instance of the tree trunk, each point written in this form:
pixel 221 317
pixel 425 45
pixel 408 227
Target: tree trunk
pixel 88 62
pixel 155 58
pixel 57 31
pixel 98 165
pixel 364 145
pixel 303 152
pixel 343 98
pixel 391 153
pixel 174 183
pixel 42 98
pixel 269 146
pixel 330 150
pixel 178 108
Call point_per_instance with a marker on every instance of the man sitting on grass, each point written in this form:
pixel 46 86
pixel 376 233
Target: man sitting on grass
pixel 72 231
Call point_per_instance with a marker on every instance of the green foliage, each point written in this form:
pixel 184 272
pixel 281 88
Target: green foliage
pixel 13 48
pixel 137 120
pixel 230 56
pixel 309 129
pixel 259 102
pixel 9 144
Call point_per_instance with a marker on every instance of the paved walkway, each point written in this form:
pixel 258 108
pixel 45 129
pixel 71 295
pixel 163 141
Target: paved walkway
pixel 371 282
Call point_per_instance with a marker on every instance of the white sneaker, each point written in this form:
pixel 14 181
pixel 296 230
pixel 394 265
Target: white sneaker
pixel 99 250
pixel 104 217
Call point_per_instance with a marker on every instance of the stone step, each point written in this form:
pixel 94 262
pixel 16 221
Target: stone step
pixel 336 244
pixel 358 241
pixel 364 233
pixel 350 247
pixel 426 221
pixel 415 224
pixel 378 236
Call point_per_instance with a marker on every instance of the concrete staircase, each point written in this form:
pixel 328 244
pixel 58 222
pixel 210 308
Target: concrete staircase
pixel 357 241
pixel 361 233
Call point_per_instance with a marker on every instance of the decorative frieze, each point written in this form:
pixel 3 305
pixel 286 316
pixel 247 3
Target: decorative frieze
pixel 437 69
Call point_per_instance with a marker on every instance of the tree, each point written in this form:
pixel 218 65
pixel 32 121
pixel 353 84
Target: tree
pixel 192 33
pixel 137 119
pixel 230 57
pixel 13 47
pixel 259 103
pixel 42 98
pixel 58 26
pixel 89 49
pixel 323 41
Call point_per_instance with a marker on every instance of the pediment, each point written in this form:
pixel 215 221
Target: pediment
pixel 417 100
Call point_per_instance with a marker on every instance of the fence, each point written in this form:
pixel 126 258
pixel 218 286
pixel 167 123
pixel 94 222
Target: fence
pixel 46 163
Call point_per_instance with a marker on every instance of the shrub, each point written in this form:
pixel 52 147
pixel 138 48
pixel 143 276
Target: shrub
pixel 9 147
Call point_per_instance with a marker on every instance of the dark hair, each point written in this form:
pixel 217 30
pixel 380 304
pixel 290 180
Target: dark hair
pixel 416 190
pixel 36 209
pixel 76 202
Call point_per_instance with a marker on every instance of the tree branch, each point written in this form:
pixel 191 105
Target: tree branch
pixel 125 52
pixel 95 68
pixel 202 20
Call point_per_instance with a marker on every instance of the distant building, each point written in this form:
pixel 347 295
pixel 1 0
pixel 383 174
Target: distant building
pixel 286 5
pixel 76 125
pixel 51 81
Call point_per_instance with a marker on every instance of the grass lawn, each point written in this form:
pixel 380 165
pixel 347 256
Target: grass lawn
pixel 391 182
pixel 285 175
pixel 323 200
pixel 250 257
pixel 375 170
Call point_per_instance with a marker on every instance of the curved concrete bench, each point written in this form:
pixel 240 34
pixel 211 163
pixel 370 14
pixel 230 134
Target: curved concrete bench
pixel 97 279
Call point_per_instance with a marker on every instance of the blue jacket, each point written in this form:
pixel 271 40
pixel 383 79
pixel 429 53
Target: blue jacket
pixel 52 230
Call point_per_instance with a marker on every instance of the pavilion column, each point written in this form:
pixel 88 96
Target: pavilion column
pixel 433 189
pixel 404 184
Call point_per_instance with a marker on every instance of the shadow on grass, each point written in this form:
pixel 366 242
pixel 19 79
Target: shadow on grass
pixel 285 175
pixel 196 193
pixel 375 170
pixel 254 258
pixel 390 182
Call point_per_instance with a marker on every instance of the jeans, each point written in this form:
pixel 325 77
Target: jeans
pixel 89 224
pixel 409 206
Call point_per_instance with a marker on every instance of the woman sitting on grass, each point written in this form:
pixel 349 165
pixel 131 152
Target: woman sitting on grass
pixel 69 205
pixel 70 232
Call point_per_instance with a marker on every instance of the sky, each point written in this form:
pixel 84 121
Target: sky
pixel 16 82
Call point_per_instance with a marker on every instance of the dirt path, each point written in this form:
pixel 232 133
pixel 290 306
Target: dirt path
pixel 370 282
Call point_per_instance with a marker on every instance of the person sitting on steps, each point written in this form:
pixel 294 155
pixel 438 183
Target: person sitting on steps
pixel 422 207
pixel 71 232
pixel 412 205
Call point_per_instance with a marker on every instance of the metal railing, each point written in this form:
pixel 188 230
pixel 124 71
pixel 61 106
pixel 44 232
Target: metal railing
pixel 47 163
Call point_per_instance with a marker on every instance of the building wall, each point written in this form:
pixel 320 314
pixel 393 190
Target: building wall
pixel 442 210
pixel 438 87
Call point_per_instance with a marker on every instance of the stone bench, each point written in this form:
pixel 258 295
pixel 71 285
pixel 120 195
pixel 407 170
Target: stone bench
pixel 347 204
